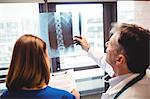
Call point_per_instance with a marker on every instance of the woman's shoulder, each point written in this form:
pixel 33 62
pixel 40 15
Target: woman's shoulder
pixel 46 92
pixel 60 93
pixel 4 94
pixel 56 90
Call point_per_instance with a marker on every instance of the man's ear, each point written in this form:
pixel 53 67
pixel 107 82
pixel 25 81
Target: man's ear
pixel 120 59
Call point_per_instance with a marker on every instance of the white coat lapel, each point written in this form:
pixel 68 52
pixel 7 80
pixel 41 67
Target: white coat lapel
pixel 112 90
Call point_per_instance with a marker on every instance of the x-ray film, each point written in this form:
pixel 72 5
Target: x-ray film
pixel 58 30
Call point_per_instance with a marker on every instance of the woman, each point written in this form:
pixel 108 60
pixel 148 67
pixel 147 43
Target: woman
pixel 29 72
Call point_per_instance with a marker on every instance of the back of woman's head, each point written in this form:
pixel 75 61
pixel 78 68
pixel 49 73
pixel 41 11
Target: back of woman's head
pixel 29 64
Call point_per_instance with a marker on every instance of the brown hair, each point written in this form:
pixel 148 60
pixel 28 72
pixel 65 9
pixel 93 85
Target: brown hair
pixel 135 42
pixel 28 67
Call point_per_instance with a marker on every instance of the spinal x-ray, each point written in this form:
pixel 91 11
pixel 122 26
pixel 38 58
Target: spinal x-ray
pixel 58 29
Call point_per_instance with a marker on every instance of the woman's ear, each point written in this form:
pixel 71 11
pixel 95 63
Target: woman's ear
pixel 120 59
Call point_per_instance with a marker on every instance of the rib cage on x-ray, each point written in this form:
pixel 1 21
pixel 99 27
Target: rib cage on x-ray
pixel 60 30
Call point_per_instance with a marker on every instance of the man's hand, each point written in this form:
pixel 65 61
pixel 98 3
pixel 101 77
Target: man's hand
pixel 78 40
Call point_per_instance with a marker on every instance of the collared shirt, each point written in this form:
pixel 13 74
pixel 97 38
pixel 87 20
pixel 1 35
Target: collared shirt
pixel 115 80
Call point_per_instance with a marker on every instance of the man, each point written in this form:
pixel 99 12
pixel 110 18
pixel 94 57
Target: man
pixel 128 55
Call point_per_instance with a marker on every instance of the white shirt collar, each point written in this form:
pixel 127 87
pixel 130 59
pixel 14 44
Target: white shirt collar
pixel 115 80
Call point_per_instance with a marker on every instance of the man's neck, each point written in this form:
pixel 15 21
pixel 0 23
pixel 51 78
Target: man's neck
pixel 121 71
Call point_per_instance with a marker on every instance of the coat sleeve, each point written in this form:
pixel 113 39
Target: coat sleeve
pixel 99 58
